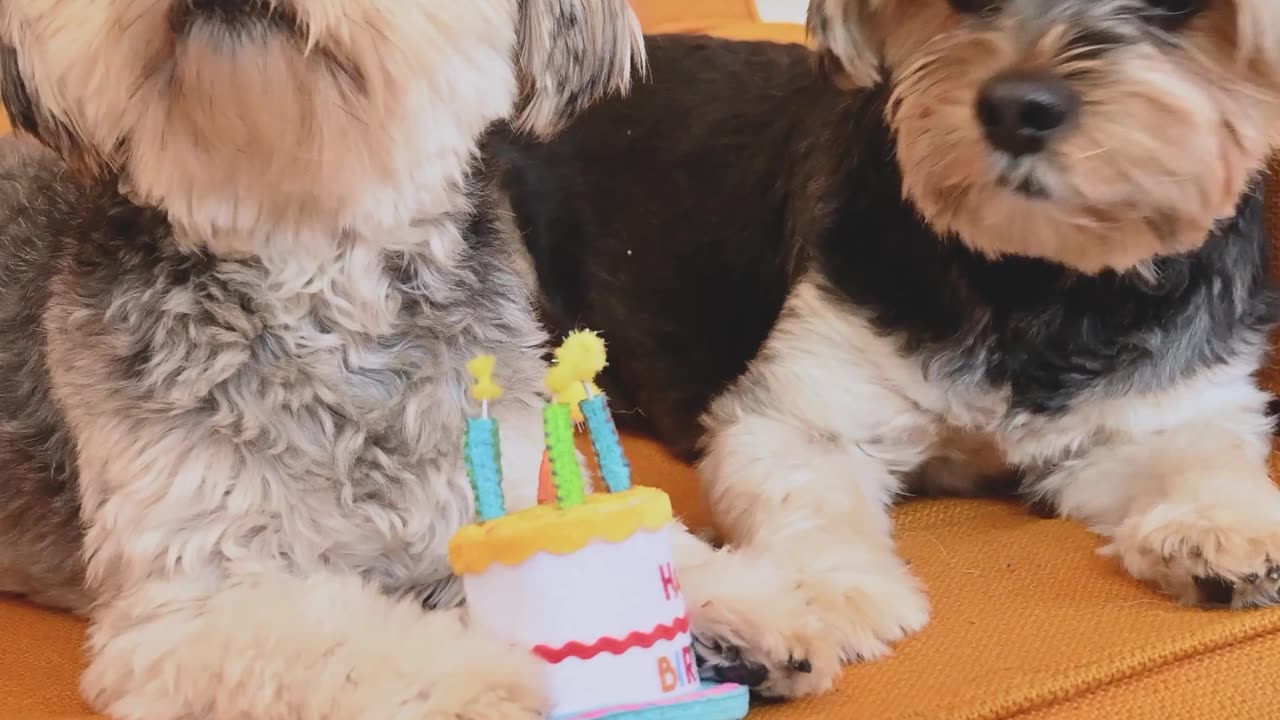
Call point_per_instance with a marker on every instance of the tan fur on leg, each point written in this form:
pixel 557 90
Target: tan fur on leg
pixel 270 646
pixel 1189 505
pixel 799 475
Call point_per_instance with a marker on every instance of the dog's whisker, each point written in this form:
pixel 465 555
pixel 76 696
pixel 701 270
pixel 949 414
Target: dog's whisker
pixel 1091 153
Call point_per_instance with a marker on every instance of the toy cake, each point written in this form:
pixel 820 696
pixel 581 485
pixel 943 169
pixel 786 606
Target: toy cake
pixel 586 581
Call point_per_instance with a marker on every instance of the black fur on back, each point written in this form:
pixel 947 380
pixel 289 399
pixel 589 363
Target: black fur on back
pixel 676 221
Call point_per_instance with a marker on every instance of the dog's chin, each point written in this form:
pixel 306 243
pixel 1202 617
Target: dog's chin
pixel 1027 178
pixel 1028 187
pixel 1035 215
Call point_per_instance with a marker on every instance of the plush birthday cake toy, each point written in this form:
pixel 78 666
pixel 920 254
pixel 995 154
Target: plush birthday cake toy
pixel 583 580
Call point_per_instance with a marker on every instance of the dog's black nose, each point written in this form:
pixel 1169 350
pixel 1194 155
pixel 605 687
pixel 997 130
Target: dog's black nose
pixel 1021 113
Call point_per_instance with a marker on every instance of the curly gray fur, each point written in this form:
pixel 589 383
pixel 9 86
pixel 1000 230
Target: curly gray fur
pixel 103 319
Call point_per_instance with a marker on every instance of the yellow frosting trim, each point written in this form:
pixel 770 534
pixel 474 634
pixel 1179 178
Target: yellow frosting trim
pixel 513 539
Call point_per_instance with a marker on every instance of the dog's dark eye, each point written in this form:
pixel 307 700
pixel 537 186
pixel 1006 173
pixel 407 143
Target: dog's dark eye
pixel 982 8
pixel 1173 14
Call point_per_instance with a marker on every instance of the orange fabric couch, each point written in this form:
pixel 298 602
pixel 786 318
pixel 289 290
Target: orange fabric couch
pixel 1028 621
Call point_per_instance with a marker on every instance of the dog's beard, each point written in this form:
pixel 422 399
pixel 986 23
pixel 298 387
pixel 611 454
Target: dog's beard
pixel 1029 177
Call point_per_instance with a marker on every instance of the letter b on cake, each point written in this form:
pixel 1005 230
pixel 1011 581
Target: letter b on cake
pixel 678 672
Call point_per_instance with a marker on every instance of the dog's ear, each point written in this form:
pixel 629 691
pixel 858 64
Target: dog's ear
pixel 847 42
pixel 570 53
pixel 30 116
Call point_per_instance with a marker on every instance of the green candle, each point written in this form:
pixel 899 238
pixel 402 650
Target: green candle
pixel 557 423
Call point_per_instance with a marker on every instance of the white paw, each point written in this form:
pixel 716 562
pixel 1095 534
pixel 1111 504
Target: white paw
pixel 1205 555
pixel 787 635
pixel 490 681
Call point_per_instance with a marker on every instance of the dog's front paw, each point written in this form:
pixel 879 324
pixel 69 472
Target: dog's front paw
pixel 789 636
pixel 486 680
pixel 1209 556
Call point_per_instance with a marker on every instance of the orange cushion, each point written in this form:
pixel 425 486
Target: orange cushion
pixel 659 16
pixel 40 664
pixel 737 19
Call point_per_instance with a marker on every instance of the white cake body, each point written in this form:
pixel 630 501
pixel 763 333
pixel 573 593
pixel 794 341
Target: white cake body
pixel 562 606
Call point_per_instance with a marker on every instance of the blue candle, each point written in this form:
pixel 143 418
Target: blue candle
pixel 480 447
pixel 484 467
pixel 614 465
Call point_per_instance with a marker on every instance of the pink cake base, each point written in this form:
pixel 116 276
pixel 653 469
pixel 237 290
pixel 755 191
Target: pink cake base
pixel 711 702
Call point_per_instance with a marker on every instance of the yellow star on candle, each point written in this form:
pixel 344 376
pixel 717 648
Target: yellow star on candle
pixel 484 388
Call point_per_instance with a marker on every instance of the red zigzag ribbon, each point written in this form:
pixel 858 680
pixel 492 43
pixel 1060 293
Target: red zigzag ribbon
pixel 613 646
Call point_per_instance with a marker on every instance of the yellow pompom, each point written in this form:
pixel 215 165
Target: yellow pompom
pixel 558 381
pixel 582 354
pixel 481 368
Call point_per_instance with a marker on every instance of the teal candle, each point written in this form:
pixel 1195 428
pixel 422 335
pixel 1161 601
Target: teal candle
pixel 614 465
pixel 484 467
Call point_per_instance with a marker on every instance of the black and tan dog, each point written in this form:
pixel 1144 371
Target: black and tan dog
pixel 994 237
pixel 238 289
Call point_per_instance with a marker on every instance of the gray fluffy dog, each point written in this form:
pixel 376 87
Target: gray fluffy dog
pixel 238 287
